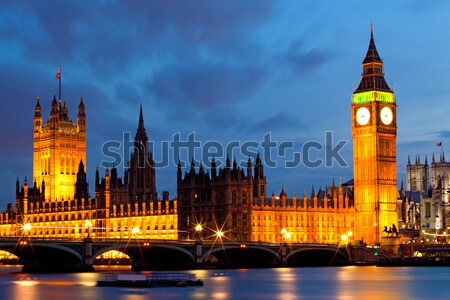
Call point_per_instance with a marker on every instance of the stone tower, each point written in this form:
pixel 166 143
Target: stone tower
pixel 374 131
pixel 58 147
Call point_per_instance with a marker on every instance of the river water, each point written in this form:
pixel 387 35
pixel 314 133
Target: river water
pixel 366 283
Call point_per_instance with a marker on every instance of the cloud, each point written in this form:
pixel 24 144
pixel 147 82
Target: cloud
pixel 280 121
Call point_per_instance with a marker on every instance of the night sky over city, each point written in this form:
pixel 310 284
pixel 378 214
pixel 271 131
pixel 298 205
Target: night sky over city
pixel 226 71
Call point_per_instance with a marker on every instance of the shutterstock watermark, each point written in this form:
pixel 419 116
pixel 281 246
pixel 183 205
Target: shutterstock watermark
pixel 273 153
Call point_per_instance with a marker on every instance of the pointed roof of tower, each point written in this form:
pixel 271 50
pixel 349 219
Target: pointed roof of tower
pixel 81 105
pixel 141 119
pixel 372 53
pixel 409 160
pixel 373 76
pixel 313 192
pixel 38 105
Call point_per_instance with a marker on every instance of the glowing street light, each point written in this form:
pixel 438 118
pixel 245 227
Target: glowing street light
pixel 349 234
pixel 198 228
pixel 287 235
pixel 219 234
pixel 135 230
pixel 27 227
pixel 344 238
pixel 283 231
pixel 88 226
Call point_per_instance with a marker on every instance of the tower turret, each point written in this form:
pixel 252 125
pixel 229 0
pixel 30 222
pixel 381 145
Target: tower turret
pixel 37 116
pixel 81 117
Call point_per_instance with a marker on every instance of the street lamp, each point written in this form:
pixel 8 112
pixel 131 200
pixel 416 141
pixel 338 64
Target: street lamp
pixel 219 233
pixel 26 227
pixel 286 234
pixel 88 226
pixel 198 230
pixel 135 230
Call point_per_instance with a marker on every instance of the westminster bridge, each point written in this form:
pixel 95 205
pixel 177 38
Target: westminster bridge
pixel 80 255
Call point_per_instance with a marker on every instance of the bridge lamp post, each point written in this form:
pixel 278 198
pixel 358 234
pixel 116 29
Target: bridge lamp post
pixel 198 230
pixel 219 234
pixel 286 234
pixel 135 230
pixel 344 239
pixel 26 228
pixel 88 226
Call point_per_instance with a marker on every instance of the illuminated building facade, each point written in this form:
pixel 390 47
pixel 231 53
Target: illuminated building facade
pixel 120 210
pixel 324 217
pixel 235 203
pixel 222 201
pixel 374 131
pixel 58 146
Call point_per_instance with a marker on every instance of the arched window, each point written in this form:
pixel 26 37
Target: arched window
pixel 61 164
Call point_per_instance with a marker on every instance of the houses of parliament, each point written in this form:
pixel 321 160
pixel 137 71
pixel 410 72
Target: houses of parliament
pixel 56 203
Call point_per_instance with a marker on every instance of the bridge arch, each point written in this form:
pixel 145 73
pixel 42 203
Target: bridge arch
pixel 153 256
pixel 45 256
pixel 318 256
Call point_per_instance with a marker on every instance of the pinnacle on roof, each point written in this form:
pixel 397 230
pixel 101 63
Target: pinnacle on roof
pixel 141 119
pixel 372 53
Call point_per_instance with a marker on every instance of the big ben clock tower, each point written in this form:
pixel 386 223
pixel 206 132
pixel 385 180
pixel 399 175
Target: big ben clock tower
pixel 374 131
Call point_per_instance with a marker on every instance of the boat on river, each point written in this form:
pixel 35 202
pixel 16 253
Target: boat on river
pixel 163 279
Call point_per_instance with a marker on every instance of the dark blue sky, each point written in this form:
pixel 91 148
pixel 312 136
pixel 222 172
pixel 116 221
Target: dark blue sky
pixel 225 70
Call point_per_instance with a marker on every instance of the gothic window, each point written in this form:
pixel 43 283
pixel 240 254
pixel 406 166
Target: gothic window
pixel 61 164
pixel 244 198
pixel 428 210
pixel 67 165
pixel 233 197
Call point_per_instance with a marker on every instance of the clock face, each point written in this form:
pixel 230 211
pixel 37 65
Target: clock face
pixel 362 116
pixel 386 115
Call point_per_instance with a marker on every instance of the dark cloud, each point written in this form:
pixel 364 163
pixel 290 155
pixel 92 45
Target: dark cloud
pixel 278 122
pixel 206 85
pixel 303 59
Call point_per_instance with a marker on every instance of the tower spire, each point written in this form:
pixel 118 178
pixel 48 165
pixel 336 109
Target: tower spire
pixel 373 76
pixel 141 118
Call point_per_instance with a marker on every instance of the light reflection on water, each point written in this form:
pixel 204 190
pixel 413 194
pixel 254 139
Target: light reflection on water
pixel 344 283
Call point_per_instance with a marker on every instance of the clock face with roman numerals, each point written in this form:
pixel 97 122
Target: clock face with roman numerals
pixel 362 116
pixel 386 115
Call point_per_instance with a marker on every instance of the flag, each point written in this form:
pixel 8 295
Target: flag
pixel 58 74
pixel 439 144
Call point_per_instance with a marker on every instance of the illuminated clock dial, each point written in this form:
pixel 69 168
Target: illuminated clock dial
pixel 386 115
pixel 362 116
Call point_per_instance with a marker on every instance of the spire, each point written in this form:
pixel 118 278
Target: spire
pixel 409 160
pixel 373 76
pixel 81 166
pixel 426 160
pixel 313 192
pixel 141 119
pixel 372 53
pixel 81 105
pixel 432 159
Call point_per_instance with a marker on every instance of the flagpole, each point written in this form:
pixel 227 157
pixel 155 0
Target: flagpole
pixel 59 82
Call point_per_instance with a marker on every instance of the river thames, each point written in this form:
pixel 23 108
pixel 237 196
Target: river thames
pixel 366 283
